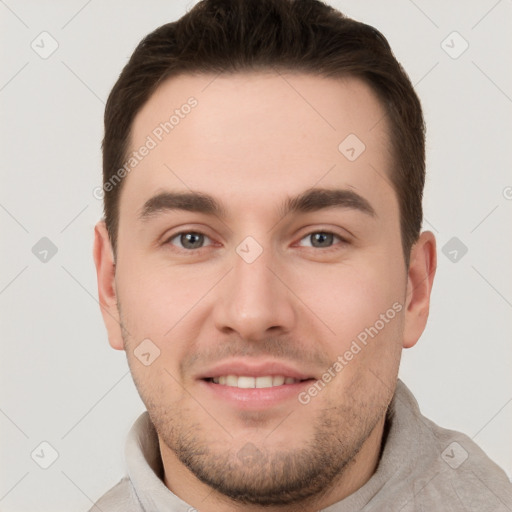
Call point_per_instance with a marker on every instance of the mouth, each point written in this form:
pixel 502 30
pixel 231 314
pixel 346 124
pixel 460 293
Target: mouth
pixel 249 382
pixel 254 385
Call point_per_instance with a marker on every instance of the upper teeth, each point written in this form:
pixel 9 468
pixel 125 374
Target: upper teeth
pixel 243 381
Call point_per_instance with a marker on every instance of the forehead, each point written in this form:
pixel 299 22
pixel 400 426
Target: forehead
pixel 255 135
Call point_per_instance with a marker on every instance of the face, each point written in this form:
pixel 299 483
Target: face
pixel 259 257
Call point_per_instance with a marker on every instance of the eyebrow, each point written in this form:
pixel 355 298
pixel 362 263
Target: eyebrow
pixel 188 201
pixel 315 199
pixel 310 200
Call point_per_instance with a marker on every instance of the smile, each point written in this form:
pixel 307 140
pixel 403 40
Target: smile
pixel 247 382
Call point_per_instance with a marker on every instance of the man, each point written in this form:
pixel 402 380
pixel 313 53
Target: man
pixel 261 264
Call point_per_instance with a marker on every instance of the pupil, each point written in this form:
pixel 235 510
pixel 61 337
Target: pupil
pixel 322 239
pixel 191 240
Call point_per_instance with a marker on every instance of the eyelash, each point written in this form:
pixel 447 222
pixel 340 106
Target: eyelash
pixel 341 239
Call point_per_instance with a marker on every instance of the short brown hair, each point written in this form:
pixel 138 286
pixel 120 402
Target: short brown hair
pixel 297 35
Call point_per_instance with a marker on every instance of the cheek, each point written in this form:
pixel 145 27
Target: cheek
pixel 354 298
pixel 162 304
pixel 145 311
pixel 153 297
pixel 365 311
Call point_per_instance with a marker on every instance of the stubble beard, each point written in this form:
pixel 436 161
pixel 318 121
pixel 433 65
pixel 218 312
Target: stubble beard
pixel 252 474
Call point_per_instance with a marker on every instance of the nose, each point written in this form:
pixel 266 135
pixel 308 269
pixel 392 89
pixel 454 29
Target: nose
pixel 253 300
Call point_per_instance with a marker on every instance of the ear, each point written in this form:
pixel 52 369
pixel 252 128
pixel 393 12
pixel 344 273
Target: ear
pixel 420 277
pixel 105 272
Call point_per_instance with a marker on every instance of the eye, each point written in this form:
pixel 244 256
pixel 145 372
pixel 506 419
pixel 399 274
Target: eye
pixel 188 240
pixel 320 239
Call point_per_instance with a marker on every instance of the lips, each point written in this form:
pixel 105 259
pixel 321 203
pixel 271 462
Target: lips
pixel 253 385
pixel 247 381
pixel 253 374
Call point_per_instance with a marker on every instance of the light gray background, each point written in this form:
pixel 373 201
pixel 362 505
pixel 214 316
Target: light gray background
pixel 60 380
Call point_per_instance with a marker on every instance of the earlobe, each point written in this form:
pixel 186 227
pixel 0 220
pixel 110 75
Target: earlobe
pixel 105 273
pixel 422 269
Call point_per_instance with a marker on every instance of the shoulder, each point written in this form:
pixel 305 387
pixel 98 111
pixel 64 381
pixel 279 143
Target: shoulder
pixel 461 474
pixel 432 466
pixel 120 498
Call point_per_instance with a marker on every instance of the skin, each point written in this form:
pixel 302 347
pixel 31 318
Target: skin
pixel 251 142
